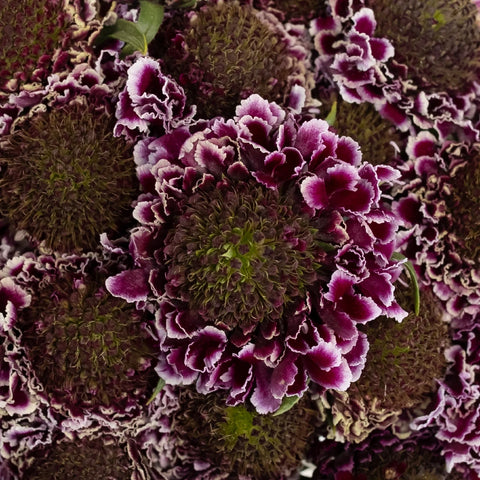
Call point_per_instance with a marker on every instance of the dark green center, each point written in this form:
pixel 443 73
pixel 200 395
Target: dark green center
pixel 28 30
pixel 99 458
pixel 233 53
pixel 87 348
pixel 405 358
pixel 439 40
pixel 239 440
pixel 66 178
pixel 242 255
pixel 364 124
pixel 464 205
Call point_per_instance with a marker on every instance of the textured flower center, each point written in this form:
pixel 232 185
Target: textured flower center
pixel 404 358
pixel 68 195
pixel 301 10
pixel 241 255
pixel 365 125
pixel 233 53
pixel 439 40
pixel 464 205
pixel 28 30
pixel 242 441
pixel 99 458
pixel 87 348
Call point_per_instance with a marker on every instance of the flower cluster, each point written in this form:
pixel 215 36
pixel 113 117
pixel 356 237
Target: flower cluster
pixel 238 240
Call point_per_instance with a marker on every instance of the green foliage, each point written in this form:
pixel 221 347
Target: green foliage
pixel 136 36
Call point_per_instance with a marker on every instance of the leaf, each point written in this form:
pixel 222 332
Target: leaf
pixel 149 19
pixel 413 279
pixel 158 388
pixel 287 404
pixel 332 114
pixel 128 32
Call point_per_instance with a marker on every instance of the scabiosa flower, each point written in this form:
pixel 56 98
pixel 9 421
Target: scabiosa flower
pixel 262 243
pixel 297 12
pixel 364 64
pixel 38 38
pixel 437 40
pixel 212 440
pixel 437 202
pixel 404 362
pixel 230 50
pixel 72 343
pixel 384 456
pixel 91 448
pixel 68 196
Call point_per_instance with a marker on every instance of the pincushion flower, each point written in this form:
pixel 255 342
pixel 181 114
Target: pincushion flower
pixel 67 197
pixel 38 38
pixel 68 343
pixel 35 448
pixel 437 202
pixel 371 58
pixel 403 364
pixel 209 440
pixel 262 242
pixel 386 456
pixel 224 51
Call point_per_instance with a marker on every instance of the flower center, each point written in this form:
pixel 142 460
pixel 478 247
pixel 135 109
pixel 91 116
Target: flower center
pixel 232 53
pixel 241 255
pixel 81 459
pixel 88 349
pixel 67 196
pixel 365 125
pixel 464 205
pixel 439 40
pixel 301 10
pixel 28 30
pixel 404 358
pixel 239 440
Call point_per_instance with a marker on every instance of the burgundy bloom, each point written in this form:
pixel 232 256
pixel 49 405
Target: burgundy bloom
pixel 371 58
pixel 68 343
pixel 243 253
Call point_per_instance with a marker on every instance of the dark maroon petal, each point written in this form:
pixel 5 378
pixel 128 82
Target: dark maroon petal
pixel 205 349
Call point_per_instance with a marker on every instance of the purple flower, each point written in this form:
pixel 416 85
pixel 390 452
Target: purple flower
pixel 372 60
pixel 68 343
pixel 262 242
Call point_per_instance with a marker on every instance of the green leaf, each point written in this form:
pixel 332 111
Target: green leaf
pixel 149 19
pixel 287 404
pixel 128 32
pixel 158 388
pixel 413 279
pixel 332 114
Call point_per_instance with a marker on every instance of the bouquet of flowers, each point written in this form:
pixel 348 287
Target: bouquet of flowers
pixel 238 240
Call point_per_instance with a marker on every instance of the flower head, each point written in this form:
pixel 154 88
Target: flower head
pixel 230 50
pixel 438 40
pixel 262 243
pixel 82 349
pixel 236 439
pixel 68 196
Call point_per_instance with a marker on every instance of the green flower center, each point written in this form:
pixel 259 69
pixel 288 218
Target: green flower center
pixel 239 440
pixel 242 255
pixel 464 205
pixel 67 196
pixel 404 358
pixel 439 40
pixel 233 53
pixel 87 348
pixel 28 30
pixel 365 125
pixel 99 458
